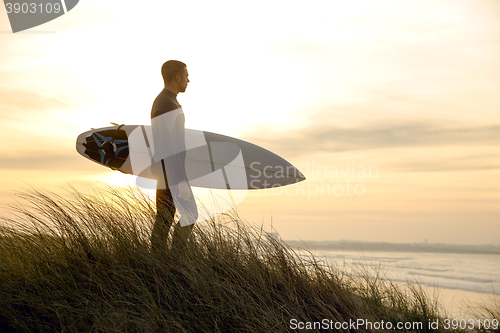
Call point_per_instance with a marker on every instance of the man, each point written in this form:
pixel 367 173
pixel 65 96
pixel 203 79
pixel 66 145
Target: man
pixel 172 190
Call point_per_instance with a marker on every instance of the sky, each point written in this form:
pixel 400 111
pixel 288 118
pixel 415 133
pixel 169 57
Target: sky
pixel 390 108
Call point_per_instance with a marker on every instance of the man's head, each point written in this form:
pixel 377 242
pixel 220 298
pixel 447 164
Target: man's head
pixel 175 76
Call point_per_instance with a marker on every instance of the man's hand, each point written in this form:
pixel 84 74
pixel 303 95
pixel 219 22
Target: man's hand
pixel 184 190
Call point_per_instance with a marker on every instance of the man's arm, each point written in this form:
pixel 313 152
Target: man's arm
pixel 180 143
pixel 169 146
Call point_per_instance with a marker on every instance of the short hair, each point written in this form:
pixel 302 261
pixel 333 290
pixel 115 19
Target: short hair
pixel 172 68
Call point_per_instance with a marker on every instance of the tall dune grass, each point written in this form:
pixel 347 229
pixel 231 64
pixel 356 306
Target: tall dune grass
pixel 83 263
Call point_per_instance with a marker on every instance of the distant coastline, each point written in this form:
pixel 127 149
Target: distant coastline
pixel 345 245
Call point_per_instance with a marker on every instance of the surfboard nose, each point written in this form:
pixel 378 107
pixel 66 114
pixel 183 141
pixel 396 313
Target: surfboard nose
pixel 300 176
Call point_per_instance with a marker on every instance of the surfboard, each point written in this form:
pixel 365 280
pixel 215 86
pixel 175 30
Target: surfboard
pixel 212 160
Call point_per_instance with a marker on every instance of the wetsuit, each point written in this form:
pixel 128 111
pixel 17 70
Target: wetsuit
pixel 167 120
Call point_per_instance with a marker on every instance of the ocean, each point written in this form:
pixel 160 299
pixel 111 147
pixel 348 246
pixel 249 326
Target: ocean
pixel 469 277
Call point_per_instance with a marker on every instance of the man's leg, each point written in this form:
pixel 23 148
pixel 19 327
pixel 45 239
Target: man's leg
pixel 181 236
pixel 189 215
pixel 165 213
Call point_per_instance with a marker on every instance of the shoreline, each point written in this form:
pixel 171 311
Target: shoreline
pixel 457 303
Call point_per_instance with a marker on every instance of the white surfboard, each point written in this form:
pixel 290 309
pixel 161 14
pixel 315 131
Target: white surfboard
pixel 212 160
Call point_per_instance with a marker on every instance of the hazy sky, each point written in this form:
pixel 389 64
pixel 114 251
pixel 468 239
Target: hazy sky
pixel 390 108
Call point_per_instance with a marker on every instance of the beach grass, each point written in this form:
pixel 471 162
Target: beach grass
pixel 84 263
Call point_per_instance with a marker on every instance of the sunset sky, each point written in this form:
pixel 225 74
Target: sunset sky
pixel 407 91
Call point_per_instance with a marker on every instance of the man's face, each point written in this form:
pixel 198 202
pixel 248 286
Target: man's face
pixel 184 81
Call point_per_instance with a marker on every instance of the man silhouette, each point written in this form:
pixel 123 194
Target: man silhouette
pixel 172 190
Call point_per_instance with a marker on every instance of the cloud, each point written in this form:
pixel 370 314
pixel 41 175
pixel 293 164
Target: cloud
pixel 326 138
pixel 18 104
pixel 31 160
pixel 436 163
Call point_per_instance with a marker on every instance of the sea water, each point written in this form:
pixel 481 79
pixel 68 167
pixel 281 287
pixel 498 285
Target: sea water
pixel 456 278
